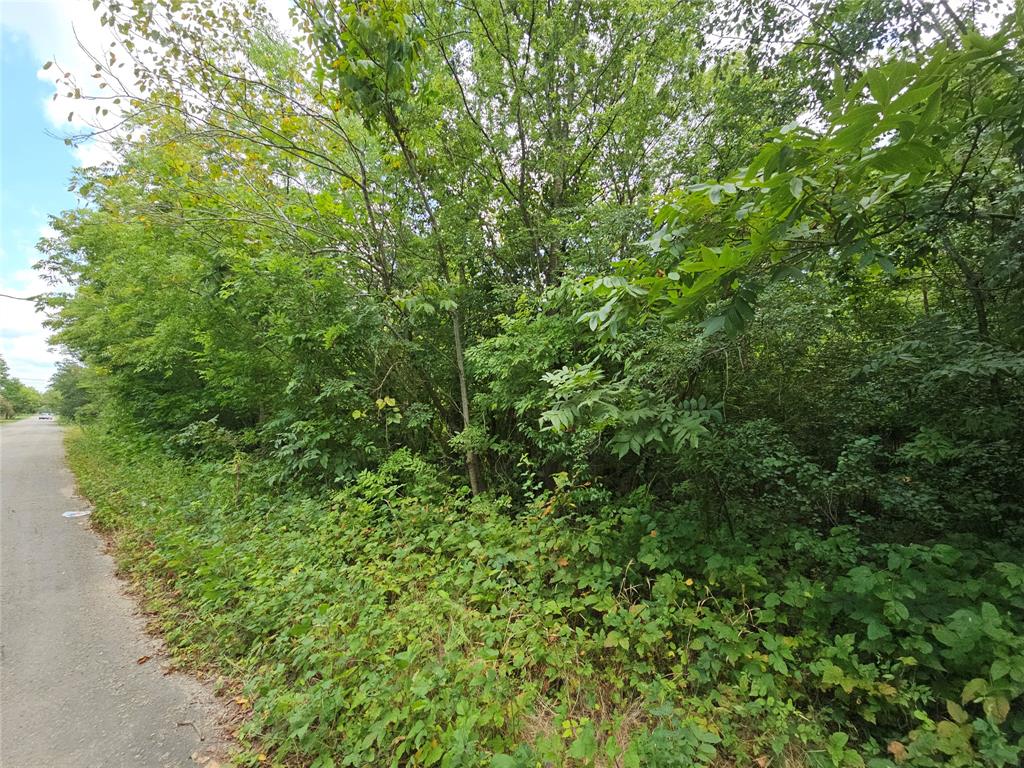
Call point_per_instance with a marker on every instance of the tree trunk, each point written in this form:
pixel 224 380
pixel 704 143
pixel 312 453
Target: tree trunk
pixel 472 462
pixel 975 284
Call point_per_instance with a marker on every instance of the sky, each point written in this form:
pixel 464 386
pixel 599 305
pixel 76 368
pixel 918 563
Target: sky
pixel 34 173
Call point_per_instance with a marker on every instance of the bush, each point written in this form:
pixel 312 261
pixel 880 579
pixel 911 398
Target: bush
pixel 398 622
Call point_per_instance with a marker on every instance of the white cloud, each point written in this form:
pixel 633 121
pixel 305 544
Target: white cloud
pixel 67 32
pixel 23 339
pixel 57 30
pixel 279 10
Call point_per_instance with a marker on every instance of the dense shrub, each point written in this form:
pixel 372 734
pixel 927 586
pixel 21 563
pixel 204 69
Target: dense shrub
pixel 397 622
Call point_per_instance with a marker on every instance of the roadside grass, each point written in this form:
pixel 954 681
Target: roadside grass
pixel 15 417
pixel 398 622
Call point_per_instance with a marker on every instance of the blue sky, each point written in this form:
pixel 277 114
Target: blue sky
pixel 34 173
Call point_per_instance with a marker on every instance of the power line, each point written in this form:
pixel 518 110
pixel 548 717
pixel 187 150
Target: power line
pixel 19 298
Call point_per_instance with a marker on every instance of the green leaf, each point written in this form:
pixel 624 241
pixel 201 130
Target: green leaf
pixel 877 630
pixel 996 708
pixel 974 689
pixel 895 611
pixel 956 712
pixel 856 131
pixel 878 84
pixel 946 636
pixel 584 747
pixel 1000 668
pixel 913 96
pixel 713 325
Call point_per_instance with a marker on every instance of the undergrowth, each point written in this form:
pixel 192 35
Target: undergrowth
pixel 400 623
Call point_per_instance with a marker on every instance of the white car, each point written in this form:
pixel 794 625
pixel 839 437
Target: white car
pixel 46 415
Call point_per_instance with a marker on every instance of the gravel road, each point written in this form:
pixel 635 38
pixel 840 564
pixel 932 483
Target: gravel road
pixel 72 694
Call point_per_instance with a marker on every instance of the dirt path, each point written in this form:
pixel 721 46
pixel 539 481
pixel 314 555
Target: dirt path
pixel 72 694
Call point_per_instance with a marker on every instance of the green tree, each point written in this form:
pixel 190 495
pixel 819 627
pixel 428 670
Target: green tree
pixel 901 177
pixel 72 391
pixel 15 397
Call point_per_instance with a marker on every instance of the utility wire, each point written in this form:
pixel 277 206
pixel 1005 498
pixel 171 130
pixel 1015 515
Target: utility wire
pixel 19 298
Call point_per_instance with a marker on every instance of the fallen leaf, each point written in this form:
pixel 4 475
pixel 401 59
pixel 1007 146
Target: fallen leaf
pixel 898 751
pixel 563 561
pixel 143 659
pixel 762 761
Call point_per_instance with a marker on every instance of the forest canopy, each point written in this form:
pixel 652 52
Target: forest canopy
pixel 598 382
pixel 16 397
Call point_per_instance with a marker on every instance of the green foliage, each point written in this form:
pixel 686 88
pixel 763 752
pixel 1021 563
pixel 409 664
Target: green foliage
pixel 397 621
pixel 369 50
pixel 497 384
pixel 16 398
pixel 72 391
pixel 636 419
pixel 889 166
